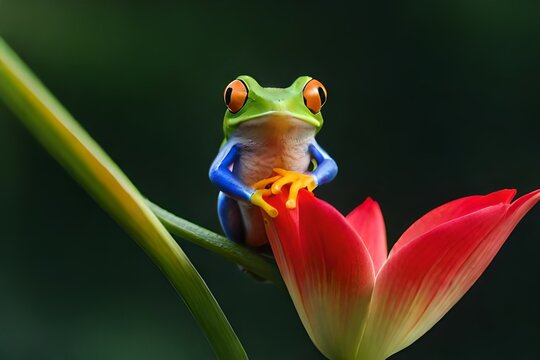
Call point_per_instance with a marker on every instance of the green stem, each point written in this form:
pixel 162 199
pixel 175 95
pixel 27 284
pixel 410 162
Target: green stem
pixel 239 254
pixel 69 143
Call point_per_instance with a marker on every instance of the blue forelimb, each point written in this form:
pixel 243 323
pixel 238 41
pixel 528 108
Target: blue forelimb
pixel 326 169
pixel 232 188
pixel 222 175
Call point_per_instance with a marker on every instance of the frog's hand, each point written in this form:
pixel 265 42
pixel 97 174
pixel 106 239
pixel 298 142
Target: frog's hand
pixel 297 180
pixel 220 174
pixel 258 200
pixel 326 169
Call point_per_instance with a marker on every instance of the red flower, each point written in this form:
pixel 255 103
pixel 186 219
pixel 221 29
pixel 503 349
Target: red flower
pixel 358 303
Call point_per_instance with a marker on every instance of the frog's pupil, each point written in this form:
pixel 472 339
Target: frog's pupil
pixel 228 94
pixel 321 95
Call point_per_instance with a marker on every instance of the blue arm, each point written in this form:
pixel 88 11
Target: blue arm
pixel 220 173
pixel 326 169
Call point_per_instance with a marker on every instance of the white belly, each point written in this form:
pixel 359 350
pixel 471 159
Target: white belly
pixel 272 142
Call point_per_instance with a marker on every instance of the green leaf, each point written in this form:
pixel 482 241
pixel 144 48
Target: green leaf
pixel 67 141
pixel 239 254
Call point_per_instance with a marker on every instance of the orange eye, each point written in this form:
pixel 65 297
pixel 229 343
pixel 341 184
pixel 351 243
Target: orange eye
pixel 235 95
pixel 314 95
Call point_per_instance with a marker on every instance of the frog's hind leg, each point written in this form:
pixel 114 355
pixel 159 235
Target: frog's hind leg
pixel 255 234
pixel 232 224
pixel 230 218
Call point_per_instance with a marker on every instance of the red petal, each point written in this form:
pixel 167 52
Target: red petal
pixel 327 270
pixel 450 211
pixel 367 220
pixel 421 282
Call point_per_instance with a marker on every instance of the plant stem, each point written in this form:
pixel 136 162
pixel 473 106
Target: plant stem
pixel 82 157
pixel 230 250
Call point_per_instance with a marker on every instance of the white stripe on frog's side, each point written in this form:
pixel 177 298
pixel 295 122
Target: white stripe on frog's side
pixel 269 142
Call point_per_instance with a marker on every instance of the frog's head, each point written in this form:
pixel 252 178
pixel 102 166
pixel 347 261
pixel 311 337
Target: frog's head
pixel 246 100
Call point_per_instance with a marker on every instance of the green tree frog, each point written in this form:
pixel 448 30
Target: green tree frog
pixel 269 143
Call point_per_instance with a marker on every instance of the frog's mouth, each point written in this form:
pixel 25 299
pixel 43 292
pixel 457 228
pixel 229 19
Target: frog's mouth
pixel 277 114
pixel 277 123
pixel 279 120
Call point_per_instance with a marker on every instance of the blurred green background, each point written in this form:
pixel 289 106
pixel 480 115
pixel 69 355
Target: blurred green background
pixel 427 102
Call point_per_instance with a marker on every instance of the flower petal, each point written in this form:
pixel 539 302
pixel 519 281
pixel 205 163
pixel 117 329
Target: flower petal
pixel 367 220
pixel 421 278
pixel 420 283
pixel 452 210
pixel 327 270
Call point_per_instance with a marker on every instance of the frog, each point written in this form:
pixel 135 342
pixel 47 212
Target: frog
pixel 269 145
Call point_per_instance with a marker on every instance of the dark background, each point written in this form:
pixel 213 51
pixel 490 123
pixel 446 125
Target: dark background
pixel 427 102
